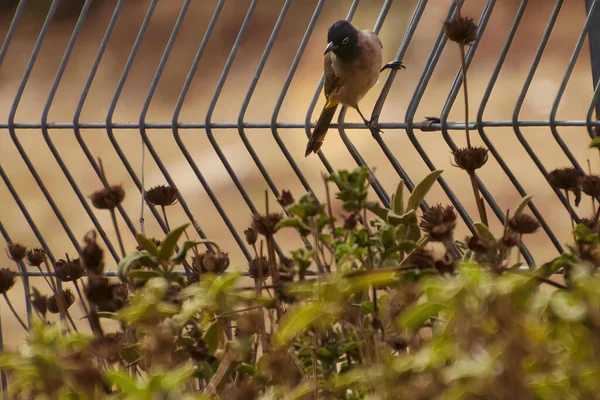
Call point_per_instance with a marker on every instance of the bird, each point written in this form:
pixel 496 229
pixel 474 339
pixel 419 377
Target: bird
pixel 352 65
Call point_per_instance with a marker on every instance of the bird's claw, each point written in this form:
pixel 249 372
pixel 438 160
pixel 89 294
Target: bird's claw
pixel 393 65
pixel 373 125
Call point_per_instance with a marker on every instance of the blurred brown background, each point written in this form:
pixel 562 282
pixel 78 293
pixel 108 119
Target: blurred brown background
pixel 501 105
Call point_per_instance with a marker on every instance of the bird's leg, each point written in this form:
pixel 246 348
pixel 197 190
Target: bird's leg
pixel 393 65
pixel 370 124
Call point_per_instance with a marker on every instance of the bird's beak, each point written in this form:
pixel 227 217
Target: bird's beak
pixel 330 47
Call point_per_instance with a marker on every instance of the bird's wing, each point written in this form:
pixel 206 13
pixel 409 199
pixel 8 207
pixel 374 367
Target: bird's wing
pixel 331 80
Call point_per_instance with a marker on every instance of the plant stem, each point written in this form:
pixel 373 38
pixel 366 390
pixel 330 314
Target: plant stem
pixel 164 212
pixel 212 386
pixel 85 309
pixel 15 312
pixel 466 93
pixel 113 216
pixel 570 216
pixel 478 198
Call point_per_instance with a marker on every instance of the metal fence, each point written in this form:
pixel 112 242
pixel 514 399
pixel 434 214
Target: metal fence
pixel 407 124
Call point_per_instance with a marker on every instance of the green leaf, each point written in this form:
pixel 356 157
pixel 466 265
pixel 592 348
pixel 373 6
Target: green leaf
pixel 522 204
pixel 378 210
pixel 122 381
pixel 211 336
pixel 106 314
pixel 176 378
pixel 415 316
pixel 595 143
pixel 300 392
pixel 142 256
pixel 295 322
pixel 367 307
pixel 291 222
pixel 246 369
pixel 167 247
pixel 407 218
pixel 376 278
pixel 147 244
pixel 484 232
pixel 567 306
pixel 398 200
pixel 422 189
pixel 584 234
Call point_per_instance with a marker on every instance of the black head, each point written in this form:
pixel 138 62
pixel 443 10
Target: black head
pixel 342 39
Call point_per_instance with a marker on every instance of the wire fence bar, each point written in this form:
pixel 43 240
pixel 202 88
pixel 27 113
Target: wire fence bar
pixel 272 128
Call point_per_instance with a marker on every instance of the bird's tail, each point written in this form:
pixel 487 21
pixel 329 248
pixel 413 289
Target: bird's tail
pixel 318 135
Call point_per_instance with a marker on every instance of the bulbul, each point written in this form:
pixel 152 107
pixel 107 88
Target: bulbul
pixel 352 66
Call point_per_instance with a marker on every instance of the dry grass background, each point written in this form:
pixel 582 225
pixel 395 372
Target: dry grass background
pixel 537 106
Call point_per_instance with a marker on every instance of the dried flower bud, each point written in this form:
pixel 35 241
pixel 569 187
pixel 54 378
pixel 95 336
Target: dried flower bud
pixel 7 279
pixel 286 198
pixel 211 261
pixel 52 302
pixel 108 347
pixel 510 240
pixel 251 236
pixel 16 251
pixel 255 264
pixel 161 195
pixel 68 271
pixel 105 295
pixel 108 198
pixel 287 270
pixel 461 30
pixel 421 258
pixel 439 222
pixel 478 244
pixel 265 224
pixel 470 159
pixel 350 222
pixel 35 257
pixel 590 184
pixel 39 301
pixel 567 179
pixel 523 224
pixel 589 222
pixel 153 240
pixel 92 256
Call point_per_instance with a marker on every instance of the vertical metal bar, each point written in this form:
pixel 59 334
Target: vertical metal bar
pixel 410 115
pixel 13 133
pixel 456 87
pixel 113 106
pixel 46 135
pixel 488 142
pixel 83 98
pixel 142 121
pixel 213 104
pixel 377 187
pixel 521 99
pixel 594 38
pixel 283 93
pixel 179 141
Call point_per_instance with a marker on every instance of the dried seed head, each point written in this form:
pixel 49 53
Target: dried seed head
pixel 52 302
pixel 251 236
pixel 68 271
pixel 439 222
pixel 108 198
pixel 35 257
pixel 286 198
pixel 478 244
pixel 350 222
pixel 92 256
pixel 589 222
pixel 105 295
pixel 16 251
pixel 39 301
pixel 421 258
pixel 108 347
pixel 265 224
pixel 565 178
pixel 461 30
pixel 258 265
pixel 446 264
pixel 523 224
pixel 7 279
pixel 161 195
pixel 211 261
pixel 590 184
pixel 153 240
pixel 287 270
pixel 470 159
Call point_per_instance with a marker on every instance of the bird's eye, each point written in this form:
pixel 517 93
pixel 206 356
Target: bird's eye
pixel 346 40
